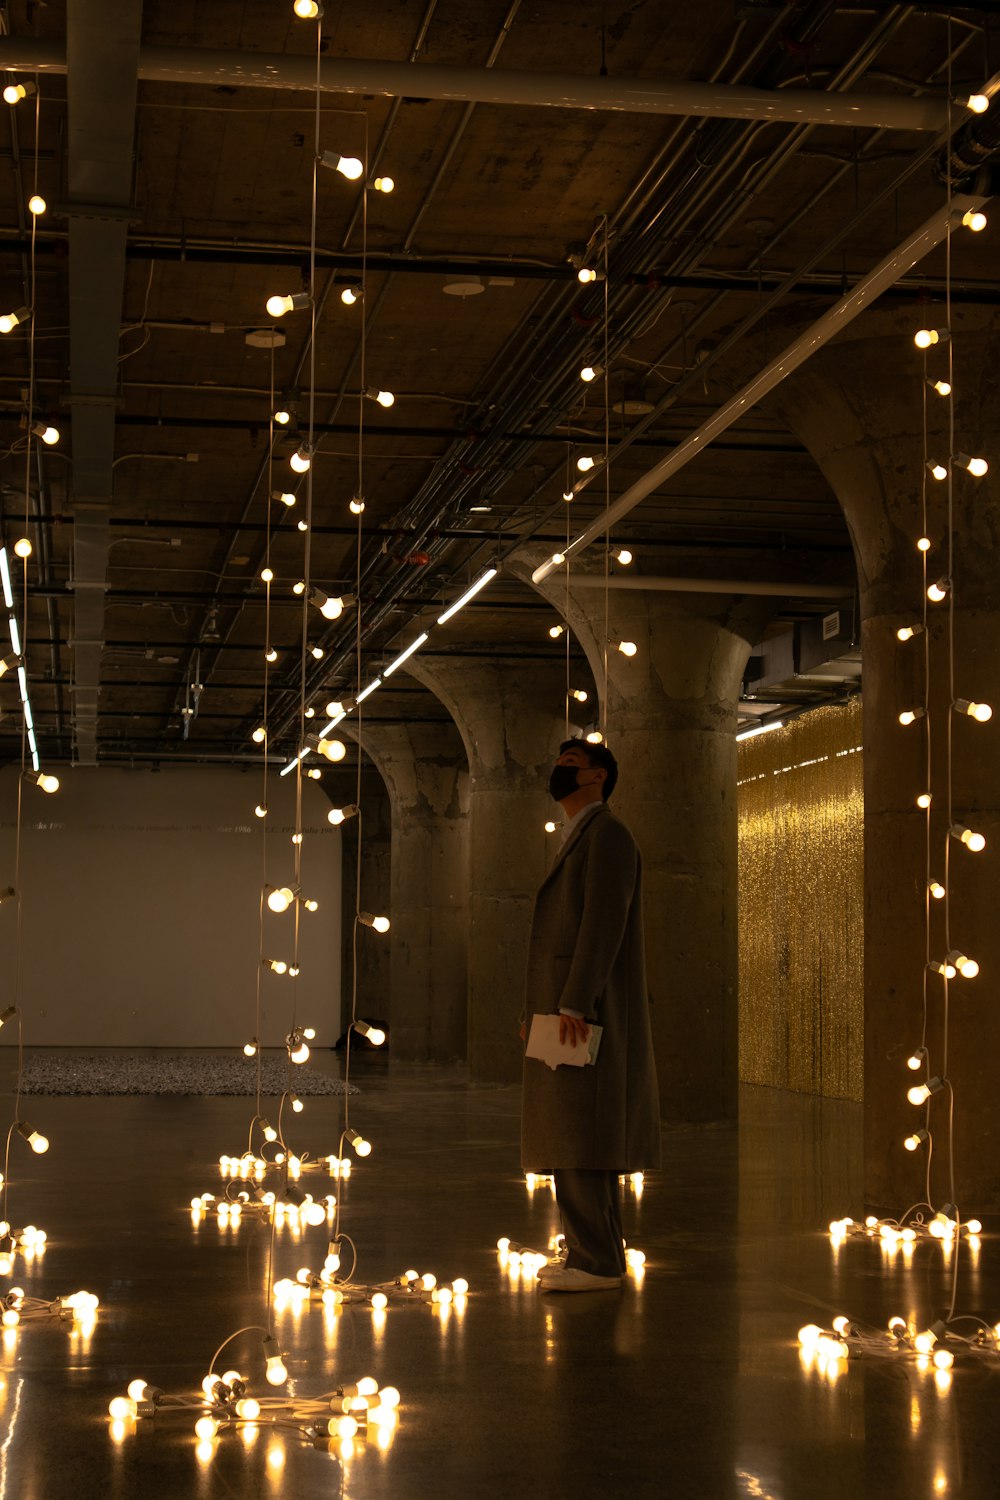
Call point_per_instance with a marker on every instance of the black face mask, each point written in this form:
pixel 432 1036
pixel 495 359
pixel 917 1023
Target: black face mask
pixel 563 782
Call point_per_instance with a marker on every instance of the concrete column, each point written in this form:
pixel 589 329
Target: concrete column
pixel 670 717
pixel 510 718
pixel 424 769
pixel 373 949
pixel 858 407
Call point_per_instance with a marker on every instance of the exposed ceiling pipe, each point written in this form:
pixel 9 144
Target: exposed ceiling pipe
pixel 787 590
pixel 211 68
pixel 900 260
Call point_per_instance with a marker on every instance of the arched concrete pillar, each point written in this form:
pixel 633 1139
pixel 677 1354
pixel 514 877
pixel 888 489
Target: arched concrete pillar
pixel 425 772
pixel 509 715
pixel 857 405
pixel 670 716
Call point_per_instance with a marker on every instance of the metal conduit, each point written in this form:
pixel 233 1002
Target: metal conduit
pixel 212 68
pixel 787 590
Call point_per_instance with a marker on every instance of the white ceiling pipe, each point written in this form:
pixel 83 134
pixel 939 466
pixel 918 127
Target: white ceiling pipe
pixel 789 590
pixel 653 96
pixel 888 271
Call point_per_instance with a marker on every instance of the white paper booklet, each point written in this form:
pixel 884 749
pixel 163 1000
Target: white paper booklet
pixel 544 1043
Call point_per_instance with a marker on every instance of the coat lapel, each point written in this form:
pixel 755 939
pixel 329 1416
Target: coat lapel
pixel 573 840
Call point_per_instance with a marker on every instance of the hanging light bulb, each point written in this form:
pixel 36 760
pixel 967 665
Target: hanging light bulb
pixel 923 544
pixel 270 654
pixel 275 1373
pixel 590 372
pixel 330 607
pixel 915 1140
pixel 921 1092
pixel 383 184
pixel 301 459
pixel 975 220
pixel 568 495
pixel 916 1058
pixel 22 547
pixel 357 1142
pixel 279 898
pixel 298 1048
pixel 938 590
pixel 276 965
pixel 37 205
pixel 595 737
pixel 374 1034
pixel 974 841
pixel 936 889
pixel 48 434
pixel 380 924
pixel 333 750
pixel 338 815
pixel 942 387
pixel 308 10
pixel 580 694
pixel 555 631
pixel 936 470
pixel 624 556
pixel 981 712
pixel 259 735
pixel 348 166
pixel 967 967
pixel 924 800
pixel 978 104
pixel 911 715
pixel 260 811
pixel 250 1048
pixel 285 496
pixel 977 467
pixel 317 652
pixel 586 462
pixel 946 970
pixel 550 827
pixel 384 398
pixel 15 92
pixel 587 274
pixel 314 774
pixel 627 648
pixel 925 337
pixel 350 295
pixel 9 321
pixel 907 632
pixel 39 1143
pixel 281 304
pixel 357 505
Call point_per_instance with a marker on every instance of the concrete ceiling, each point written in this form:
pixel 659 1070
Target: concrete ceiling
pixel 202 192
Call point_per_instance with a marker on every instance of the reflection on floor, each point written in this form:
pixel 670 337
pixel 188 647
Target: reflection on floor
pixel 687 1383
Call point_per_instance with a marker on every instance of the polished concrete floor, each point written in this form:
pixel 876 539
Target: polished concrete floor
pixel 688 1384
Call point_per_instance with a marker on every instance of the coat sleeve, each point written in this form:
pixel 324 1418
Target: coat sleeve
pixel 609 886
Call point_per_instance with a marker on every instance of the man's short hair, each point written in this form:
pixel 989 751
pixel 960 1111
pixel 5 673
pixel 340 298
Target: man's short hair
pixel 598 756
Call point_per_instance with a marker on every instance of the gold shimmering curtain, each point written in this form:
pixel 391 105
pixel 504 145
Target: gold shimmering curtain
pixel 801 815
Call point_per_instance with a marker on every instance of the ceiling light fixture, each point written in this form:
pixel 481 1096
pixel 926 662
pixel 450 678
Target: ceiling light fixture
pixel 470 593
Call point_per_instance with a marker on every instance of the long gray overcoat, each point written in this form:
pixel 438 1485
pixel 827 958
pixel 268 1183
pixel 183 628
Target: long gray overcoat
pixel 586 954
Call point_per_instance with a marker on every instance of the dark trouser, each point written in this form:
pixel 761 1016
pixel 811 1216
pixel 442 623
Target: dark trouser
pixel 590 1207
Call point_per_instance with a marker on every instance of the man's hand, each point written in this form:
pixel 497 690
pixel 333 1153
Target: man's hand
pixel 573 1029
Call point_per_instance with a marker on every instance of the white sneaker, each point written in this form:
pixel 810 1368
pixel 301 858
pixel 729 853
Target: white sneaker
pixel 556 1263
pixel 570 1279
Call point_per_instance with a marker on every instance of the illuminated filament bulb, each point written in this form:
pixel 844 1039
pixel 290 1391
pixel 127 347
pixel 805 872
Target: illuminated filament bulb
pixel 938 590
pixel 280 304
pixel 946 968
pixel 981 712
pixel 555 631
pixel 374 1034
pixel 911 715
pixel 942 387
pixel 580 694
pixel 298 1048
pixel 276 965
pixel 924 338
pixel 338 815
pixel 250 1048
pixel 280 898
pixel 380 924
pixel 259 735
pixel 921 1092
pixel 357 1142
pixel 627 648
pixel 967 967
pixel 285 496
pixel 978 104
pixel 39 1143
pixel 301 459
pixel 916 1058
pixel 586 462
pixel 350 295
pixel 936 889
pixel 924 801
pixel 308 10
pixel 907 632
pixel 977 467
pixel 384 184
pixel 589 373
pixel 973 841
pixel 350 167
pixel 923 544
pixel 975 220
pixel 915 1141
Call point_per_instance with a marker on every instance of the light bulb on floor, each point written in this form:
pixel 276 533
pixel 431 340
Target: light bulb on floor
pixel 276 1373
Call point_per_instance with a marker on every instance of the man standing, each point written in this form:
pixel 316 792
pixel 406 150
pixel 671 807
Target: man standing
pixel 586 961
